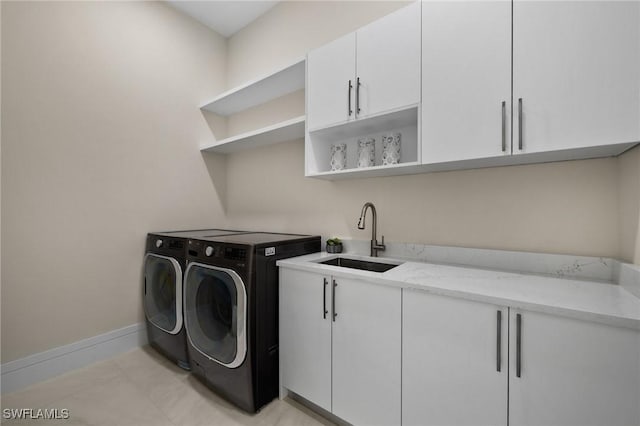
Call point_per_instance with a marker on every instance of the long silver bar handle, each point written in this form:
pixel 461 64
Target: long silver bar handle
pixel 520 138
pixel 518 345
pixel 324 299
pixel 499 342
pixel 504 126
pixel 357 95
pixel 333 300
pixel 349 98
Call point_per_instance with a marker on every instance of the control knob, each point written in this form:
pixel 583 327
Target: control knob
pixel 158 243
pixel 208 251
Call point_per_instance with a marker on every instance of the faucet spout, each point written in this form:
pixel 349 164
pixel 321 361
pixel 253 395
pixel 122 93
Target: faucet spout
pixel 375 247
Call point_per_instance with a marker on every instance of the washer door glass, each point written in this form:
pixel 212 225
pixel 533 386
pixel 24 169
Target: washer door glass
pixel 215 313
pixel 163 292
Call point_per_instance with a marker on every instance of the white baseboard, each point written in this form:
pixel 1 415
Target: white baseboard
pixel 35 368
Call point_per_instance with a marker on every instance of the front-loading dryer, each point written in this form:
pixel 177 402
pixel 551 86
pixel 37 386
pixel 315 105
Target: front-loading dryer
pixel 231 312
pixel 164 263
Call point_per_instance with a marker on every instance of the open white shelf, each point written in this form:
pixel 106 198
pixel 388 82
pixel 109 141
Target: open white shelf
pixel 403 121
pixel 375 171
pixel 280 132
pixel 271 86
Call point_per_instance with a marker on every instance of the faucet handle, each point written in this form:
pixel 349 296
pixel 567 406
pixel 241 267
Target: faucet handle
pixel 382 240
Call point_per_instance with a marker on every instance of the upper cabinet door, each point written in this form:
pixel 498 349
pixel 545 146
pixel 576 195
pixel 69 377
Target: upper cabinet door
pixel 330 73
pixel 388 62
pixel 466 80
pixel 576 74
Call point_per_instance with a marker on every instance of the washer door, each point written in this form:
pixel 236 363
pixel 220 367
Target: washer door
pixel 215 310
pixel 163 292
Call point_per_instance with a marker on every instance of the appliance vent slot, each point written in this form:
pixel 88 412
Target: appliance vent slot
pixel 176 245
pixel 235 253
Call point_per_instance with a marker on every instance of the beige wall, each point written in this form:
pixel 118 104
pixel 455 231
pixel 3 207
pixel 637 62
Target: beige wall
pixel 568 207
pixel 288 30
pixel 100 136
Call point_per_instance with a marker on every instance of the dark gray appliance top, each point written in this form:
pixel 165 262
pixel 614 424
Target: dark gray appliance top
pixel 199 233
pixel 256 238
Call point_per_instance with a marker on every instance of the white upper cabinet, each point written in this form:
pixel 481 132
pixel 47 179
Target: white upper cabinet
pixel 388 62
pixel 466 80
pixel 576 74
pixel 555 80
pixel 371 71
pixel 331 76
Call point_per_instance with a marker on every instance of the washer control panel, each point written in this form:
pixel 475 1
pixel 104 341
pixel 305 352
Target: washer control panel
pixel 225 252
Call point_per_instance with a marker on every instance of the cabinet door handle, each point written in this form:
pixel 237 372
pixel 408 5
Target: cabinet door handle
pixel 520 139
pixel 349 98
pixel 504 126
pixel 499 342
pixel 333 300
pixel 324 299
pixel 358 96
pixel 518 345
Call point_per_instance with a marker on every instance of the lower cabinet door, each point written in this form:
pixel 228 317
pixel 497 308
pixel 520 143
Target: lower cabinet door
pixel 571 372
pixel 367 353
pixel 454 361
pixel 305 335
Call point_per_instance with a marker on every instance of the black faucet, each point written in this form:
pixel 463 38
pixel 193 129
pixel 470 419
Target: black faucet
pixel 375 247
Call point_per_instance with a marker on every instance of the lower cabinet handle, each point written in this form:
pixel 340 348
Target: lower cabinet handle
pixel 504 126
pixel 518 345
pixel 333 299
pixel 520 120
pixel 499 342
pixel 324 299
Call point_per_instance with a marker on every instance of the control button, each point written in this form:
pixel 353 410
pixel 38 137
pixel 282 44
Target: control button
pixel 158 243
pixel 208 251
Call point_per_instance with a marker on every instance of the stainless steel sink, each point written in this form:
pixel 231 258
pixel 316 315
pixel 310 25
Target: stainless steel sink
pixel 359 264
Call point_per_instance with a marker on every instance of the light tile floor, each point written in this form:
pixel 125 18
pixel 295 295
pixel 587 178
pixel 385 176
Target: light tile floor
pixel 143 388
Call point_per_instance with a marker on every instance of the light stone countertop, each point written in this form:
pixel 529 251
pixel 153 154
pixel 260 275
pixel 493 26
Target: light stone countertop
pixel 582 299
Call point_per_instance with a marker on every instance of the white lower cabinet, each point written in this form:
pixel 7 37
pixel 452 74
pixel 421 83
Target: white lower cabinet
pixel 560 371
pixel 378 355
pixel 340 345
pixel 454 361
pixel 305 336
pixel 572 372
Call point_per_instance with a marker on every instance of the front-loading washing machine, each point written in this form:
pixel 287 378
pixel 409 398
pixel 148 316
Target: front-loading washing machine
pixel 231 312
pixel 164 263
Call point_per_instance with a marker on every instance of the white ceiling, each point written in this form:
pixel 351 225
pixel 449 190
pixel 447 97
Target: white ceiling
pixel 224 17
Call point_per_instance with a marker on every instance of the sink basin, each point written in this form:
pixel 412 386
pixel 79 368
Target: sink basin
pixel 359 264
